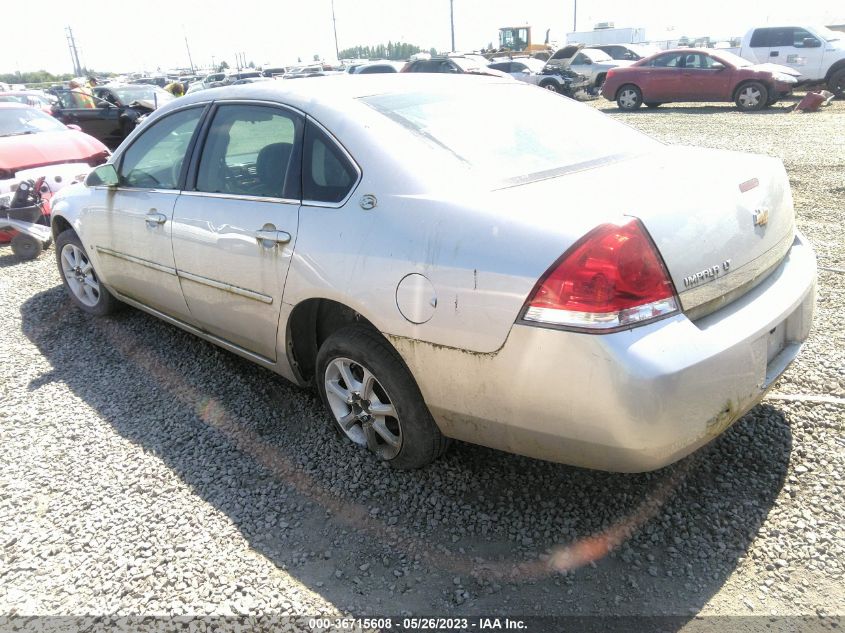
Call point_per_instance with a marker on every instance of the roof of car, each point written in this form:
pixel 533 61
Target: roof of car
pixel 342 86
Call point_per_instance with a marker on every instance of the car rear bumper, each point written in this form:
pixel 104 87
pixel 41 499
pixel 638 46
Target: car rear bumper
pixel 629 401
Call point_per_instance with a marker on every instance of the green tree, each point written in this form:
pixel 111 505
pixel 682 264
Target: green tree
pixel 393 50
pixel 223 66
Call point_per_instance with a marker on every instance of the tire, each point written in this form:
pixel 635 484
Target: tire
pixel 751 96
pixel 80 278
pixel 551 86
pixel 836 83
pixel 629 97
pixel 653 105
pixel 26 247
pixel 408 438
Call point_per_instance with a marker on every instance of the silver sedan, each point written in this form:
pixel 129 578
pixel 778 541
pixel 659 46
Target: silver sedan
pixel 440 265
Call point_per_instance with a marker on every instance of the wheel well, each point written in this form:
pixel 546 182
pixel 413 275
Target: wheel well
pixel 59 225
pixel 600 78
pixel 311 323
pixel 834 68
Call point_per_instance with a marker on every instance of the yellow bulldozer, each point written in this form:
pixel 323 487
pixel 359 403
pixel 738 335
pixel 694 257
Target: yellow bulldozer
pixel 517 39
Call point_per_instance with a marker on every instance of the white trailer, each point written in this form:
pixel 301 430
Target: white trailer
pixel 607 36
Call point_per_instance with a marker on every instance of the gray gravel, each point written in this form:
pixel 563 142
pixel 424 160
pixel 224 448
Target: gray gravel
pixel 147 472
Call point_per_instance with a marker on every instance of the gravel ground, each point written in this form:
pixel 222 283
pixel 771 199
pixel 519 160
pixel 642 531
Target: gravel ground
pixel 148 472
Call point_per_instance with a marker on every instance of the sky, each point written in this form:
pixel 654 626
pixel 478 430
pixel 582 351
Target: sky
pixel 119 36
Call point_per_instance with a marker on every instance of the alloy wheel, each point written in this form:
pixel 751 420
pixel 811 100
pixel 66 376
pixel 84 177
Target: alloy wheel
pixel 628 98
pixel 80 276
pixel 750 96
pixel 362 407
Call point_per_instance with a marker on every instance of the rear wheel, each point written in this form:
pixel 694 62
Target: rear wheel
pixel 374 400
pixel 629 97
pixel 751 96
pixel 80 278
pixel 26 247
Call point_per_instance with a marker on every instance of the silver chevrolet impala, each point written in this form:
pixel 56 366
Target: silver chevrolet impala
pixel 455 257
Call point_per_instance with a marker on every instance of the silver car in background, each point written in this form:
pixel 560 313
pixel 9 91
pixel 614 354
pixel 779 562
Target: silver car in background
pixel 442 263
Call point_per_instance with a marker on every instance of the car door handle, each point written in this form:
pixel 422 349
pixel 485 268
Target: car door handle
pixel 271 237
pixel 774 54
pixel 154 218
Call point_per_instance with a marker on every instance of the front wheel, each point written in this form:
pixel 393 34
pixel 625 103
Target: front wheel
pixel 751 96
pixel 550 86
pixel 374 400
pixel 80 278
pixel 836 83
pixel 629 98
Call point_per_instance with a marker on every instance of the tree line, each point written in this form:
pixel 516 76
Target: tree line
pixel 392 50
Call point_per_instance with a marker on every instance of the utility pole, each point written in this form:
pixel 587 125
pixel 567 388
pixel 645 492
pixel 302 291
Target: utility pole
pixel 334 23
pixel 74 53
pixel 190 61
pixel 452 20
pixel 575 17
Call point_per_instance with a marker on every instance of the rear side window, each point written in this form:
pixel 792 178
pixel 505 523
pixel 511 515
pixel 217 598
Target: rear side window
pixel 155 159
pixel 760 38
pixel 327 174
pixel 251 150
pixel 672 60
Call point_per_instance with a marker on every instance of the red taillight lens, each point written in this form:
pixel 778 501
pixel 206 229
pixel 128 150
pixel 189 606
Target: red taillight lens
pixel 609 74
pixel 613 277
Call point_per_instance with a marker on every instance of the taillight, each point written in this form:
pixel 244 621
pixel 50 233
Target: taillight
pixel 609 74
pixel 611 278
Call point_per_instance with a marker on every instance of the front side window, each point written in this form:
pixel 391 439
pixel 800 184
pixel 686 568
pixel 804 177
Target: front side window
pixel 799 35
pixel 155 159
pixel 327 174
pixel 251 150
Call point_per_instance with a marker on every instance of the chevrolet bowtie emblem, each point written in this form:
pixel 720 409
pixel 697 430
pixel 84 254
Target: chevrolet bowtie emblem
pixel 761 217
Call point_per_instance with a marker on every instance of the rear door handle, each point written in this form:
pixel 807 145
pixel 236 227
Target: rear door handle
pixel 271 237
pixel 774 54
pixel 154 218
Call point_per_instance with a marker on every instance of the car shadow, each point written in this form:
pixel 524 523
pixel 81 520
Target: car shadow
pixel 479 532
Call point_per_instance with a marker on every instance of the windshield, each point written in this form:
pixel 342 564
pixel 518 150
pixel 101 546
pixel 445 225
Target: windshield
pixel 14 121
pixel 128 94
pixel 596 55
pixel 733 60
pixel 535 131
pixel 465 63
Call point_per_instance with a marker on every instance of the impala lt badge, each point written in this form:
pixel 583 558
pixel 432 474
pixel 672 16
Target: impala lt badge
pixel 708 274
pixel 761 217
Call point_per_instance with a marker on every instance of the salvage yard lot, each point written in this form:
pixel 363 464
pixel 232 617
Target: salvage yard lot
pixel 146 471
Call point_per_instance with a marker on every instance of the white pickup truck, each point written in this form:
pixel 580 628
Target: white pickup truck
pixel 817 52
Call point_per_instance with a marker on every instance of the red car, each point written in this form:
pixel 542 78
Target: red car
pixel 28 97
pixel 34 144
pixel 694 74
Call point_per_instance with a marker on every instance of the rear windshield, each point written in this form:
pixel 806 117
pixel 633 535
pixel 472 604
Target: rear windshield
pixel 512 132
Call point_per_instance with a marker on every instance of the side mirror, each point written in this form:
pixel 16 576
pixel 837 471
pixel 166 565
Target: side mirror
pixel 525 71
pixel 811 42
pixel 717 66
pixel 102 176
